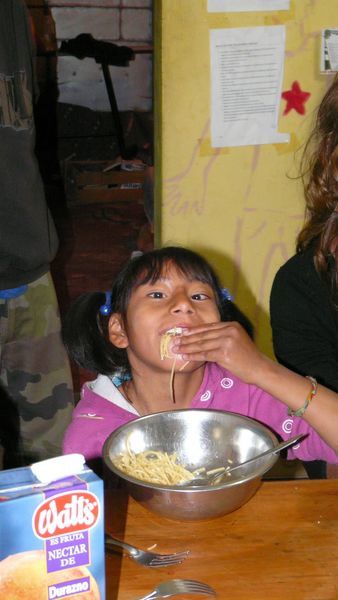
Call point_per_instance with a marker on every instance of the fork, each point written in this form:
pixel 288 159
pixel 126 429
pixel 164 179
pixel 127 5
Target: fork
pixel 215 476
pixel 174 587
pixel 144 557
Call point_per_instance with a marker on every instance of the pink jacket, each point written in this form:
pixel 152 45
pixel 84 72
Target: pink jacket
pixel 95 416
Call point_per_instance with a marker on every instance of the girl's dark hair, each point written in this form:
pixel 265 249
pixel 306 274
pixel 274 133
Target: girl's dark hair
pixel 319 170
pixel 85 330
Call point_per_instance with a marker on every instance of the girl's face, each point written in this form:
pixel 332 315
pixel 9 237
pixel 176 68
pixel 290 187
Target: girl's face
pixel 155 308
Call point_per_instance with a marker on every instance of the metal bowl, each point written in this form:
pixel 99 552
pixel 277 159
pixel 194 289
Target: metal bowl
pixel 201 438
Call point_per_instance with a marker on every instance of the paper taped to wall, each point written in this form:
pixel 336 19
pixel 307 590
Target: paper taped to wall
pixel 247 67
pixel 247 5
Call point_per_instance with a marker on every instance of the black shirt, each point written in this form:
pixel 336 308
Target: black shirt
pixel 304 320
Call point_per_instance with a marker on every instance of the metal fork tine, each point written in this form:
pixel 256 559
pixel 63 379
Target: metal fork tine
pixel 145 557
pixel 160 562
pixel 190 585
pixel 174 587
pixel 199 587
pixel 175 556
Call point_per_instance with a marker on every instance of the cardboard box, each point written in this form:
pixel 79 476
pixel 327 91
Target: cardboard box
pixel 51 537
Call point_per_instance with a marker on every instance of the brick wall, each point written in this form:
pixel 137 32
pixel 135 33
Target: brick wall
pixel 74 115
pixel 123 22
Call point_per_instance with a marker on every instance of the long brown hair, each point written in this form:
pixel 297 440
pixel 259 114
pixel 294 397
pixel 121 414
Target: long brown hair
pixel 319 172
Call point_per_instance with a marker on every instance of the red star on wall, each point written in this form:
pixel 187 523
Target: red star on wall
pixel 295 99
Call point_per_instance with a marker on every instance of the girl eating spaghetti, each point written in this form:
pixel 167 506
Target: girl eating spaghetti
pixel 164 339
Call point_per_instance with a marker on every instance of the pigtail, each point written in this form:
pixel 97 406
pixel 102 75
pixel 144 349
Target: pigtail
pixel 85 335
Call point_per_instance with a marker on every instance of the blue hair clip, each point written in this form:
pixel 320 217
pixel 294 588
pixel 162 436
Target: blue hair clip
pixel 226 295
pixel 105 309
pixel 119 378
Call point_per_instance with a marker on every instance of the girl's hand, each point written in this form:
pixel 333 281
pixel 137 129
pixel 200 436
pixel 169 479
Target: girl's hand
pixel 225 343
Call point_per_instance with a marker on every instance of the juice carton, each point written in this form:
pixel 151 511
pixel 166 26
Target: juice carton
pixel 51 537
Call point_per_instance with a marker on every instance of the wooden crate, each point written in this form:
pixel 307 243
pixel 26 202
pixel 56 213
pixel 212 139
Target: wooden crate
pixel 87 182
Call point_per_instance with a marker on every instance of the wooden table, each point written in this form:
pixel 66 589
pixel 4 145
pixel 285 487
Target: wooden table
pixel 281 545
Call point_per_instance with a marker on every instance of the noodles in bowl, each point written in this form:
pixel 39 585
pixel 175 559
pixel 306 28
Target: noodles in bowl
pixel 190 439
pixel 154 467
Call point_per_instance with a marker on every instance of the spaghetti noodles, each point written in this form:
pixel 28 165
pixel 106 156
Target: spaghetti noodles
pixel 154 467
pixel 165 353
pixel 165 342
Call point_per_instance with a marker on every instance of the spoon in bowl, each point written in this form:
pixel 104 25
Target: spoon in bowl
pixel 214 476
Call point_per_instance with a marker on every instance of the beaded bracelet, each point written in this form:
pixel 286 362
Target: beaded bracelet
pixel 310 396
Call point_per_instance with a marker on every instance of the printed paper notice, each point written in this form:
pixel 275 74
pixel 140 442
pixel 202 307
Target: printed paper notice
pixel 246 85
pixel 247 5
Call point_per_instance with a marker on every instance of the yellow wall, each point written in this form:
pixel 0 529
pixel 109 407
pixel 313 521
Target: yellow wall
pixel 237 206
